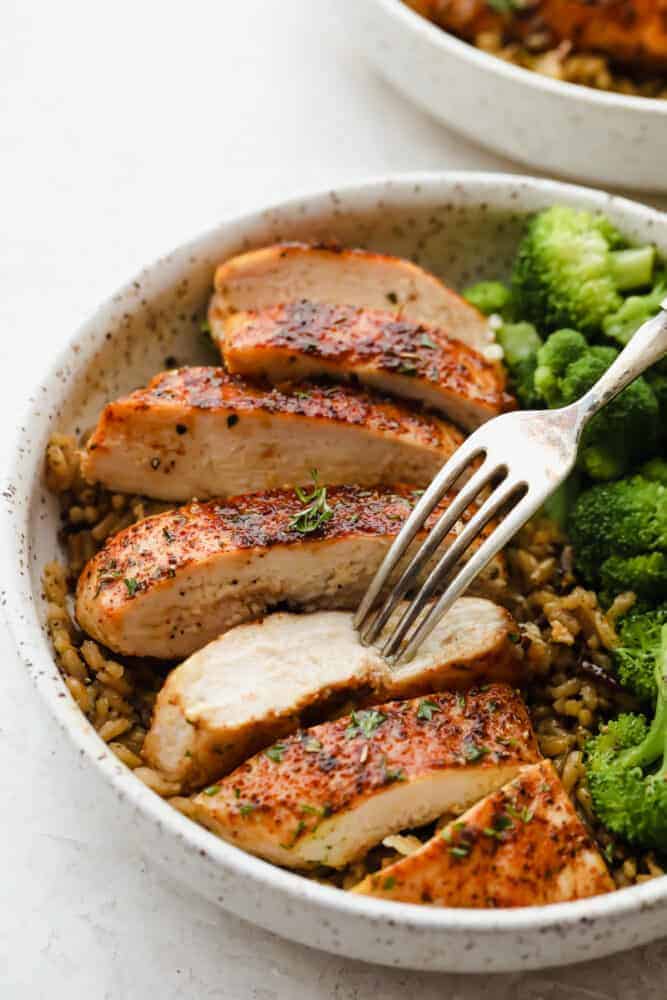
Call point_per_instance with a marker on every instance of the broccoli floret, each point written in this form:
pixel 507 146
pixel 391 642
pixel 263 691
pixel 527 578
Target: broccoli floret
pixel 640 637
pixel 570 270
pixel 553 360
pixel 635 310
pixel 655 470
pixel 626 430
pixel 619 533
pixel 646 575
pixel 627 768
pixel 488 296
pixel 520 343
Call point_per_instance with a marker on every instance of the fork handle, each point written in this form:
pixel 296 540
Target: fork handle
pixel 647 346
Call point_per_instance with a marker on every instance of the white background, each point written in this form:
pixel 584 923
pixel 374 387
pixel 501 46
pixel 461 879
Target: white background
pixel 125 128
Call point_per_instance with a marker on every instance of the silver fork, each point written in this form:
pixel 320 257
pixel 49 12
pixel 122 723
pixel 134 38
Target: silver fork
pixel 525 456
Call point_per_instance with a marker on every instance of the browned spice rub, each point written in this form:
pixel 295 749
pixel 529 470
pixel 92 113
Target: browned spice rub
pixel 281 797
pixel 304 339
pixel 523 845
pixel 202 432
pixel 167 585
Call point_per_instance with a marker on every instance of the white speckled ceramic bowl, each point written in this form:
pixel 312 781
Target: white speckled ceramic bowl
pixel 556 127
pixel 463 226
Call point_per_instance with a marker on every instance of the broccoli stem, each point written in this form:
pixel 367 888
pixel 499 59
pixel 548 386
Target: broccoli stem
pixel 654 746
pixel 632 268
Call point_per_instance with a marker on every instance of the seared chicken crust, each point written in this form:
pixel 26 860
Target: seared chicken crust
pixel 260 681
pixel 298 340
pixel 523 845
pixel 326 795
pixel 630 32
pixel 200 432
pixel 167 585
pixel 287 272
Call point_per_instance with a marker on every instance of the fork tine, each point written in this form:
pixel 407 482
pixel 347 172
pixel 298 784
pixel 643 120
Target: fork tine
pixel 464 498
pixel 526 507
pixel 443 569
pixel 447 476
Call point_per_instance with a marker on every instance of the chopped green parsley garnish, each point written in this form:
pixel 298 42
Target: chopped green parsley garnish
pixel 389 882
pixel 275 753
pixel 397 774
pixel 364 723
pixel 316 511
pixel 311 810
pixel 426 710
pixel 504 6
pixel 246 808
pixel 501 824
pixel 131 585
pixel 311 745
pixel 461 850
pixel 301 826
pixel 474 751
pixel 426 341
pixel 212 790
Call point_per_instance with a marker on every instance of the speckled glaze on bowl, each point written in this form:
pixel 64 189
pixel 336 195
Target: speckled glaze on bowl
pixel 559 128
pixel 463 226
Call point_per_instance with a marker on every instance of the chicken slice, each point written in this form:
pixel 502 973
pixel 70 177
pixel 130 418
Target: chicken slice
pixel 258 681
pixel 301 340
pixel 523 845
pixel 286 272
pixel 199 432
pixel 326 795
pixel 167 585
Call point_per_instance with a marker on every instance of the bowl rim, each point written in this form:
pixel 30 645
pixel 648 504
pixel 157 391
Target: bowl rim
pixel 450 44
pixel 20 612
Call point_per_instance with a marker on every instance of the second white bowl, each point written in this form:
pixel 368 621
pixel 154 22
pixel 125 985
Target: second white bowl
pixel 557 127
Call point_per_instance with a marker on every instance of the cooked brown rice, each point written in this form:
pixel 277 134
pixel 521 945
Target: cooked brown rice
pixel 589 69
pixel 566 640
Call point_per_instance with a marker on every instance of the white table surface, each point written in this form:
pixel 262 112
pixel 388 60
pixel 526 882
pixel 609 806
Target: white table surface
pixel 126 127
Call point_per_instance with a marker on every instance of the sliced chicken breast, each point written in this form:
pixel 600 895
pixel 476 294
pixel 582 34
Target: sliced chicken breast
pixel 523 845
pixel 166 586
pixel 259 681
pixel 286 272
pixel 199 432
pixel 326 795
pixel 301 340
